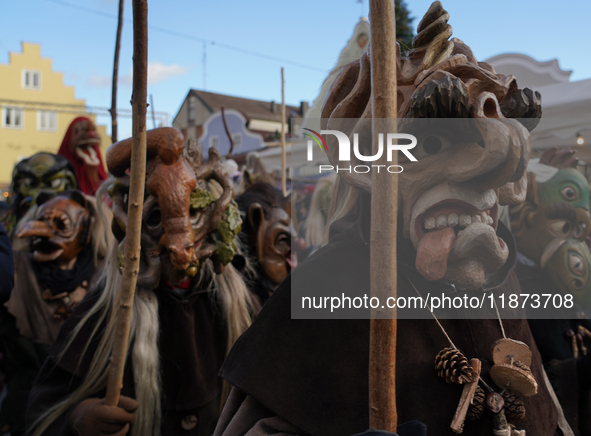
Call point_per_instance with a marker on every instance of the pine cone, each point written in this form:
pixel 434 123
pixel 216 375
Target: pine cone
pixel 476 409
pixel 453 366
pixel 514 407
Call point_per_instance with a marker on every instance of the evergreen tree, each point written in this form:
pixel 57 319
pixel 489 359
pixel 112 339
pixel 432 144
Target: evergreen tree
pixel 404 28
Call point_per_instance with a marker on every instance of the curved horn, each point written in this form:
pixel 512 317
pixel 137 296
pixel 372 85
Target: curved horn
pixel 165 142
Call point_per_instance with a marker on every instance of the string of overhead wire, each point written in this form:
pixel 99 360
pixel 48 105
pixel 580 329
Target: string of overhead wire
pixel 190 37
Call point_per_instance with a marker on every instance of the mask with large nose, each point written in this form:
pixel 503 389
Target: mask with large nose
pixel 552 226
pixel 183 223
pixel 473 143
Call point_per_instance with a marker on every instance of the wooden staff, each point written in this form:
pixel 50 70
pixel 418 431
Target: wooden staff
pixel 283 145
pixel 136 200
pixel 113 109
pixel 384 213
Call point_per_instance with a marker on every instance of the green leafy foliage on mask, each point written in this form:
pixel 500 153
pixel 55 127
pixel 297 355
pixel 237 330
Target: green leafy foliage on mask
pixel 229 226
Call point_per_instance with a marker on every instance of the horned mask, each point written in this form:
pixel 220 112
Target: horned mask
pixel 471 151
pixel 183 223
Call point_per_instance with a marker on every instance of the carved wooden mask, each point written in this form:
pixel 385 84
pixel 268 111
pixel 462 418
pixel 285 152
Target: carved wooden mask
pixel 448 199
pixel 182 223
pixel 61 229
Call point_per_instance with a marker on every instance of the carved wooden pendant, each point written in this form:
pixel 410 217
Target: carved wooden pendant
pixel 512 367
pixel 514 379
pixel 509 350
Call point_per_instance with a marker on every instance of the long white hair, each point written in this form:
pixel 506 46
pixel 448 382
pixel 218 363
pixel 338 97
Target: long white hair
pixel 228 291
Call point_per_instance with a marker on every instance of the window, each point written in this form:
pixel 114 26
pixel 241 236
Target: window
pixel 192 108
pixel 46 121
pixel 214 142
pixel 31 79
pixel 237 137
pixel 13 118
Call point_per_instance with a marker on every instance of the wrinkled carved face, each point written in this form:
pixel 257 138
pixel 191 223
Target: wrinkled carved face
pixel 449 199
pixel 84 140
pixel 273 242
pixel 182 223
pixel 41 172
pixel 472 150
pixel 554 234
pixel 59 232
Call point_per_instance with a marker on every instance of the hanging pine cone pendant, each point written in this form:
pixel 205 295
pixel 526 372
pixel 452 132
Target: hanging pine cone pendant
pixel 512 367
pixel 476 409
pixel 453 366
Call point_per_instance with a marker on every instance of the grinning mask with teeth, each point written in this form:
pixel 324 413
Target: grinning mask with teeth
pixel 183 223
pixel 552 226
pixel 471 151
pixel 81 147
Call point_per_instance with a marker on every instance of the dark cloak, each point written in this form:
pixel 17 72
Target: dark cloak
pixel 192 346
pixel 310 377
pixel 570 376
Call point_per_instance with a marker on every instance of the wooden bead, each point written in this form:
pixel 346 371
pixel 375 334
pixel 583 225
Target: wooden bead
pixel 494 402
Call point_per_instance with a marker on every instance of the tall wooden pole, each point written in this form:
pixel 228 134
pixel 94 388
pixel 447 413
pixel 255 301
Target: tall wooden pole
pixel 113 109
pixel 283 145
pixel 384 213
pixel 136 200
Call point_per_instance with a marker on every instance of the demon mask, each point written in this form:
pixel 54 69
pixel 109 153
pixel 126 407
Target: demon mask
pixel 81 147
pixel 468 162
pixel 268 231
pixel 59 232
pixel 552 226
pixel 183 223
pixel 40 173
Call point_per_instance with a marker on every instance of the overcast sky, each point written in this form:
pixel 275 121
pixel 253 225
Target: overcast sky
pixel 305 37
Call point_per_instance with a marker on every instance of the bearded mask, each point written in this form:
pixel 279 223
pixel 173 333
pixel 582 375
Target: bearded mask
pixel 62 227
pixel 81 147
pixel 466 165
pixel 552 226
pixel 268 231
pixel 183 223
pixel 42 172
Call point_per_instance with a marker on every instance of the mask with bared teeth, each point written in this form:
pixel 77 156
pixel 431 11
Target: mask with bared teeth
pixel 81 147
pixel 472 128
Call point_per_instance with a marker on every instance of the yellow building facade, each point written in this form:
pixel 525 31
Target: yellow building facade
pixel 36 109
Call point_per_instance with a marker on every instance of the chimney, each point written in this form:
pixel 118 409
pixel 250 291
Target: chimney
pixel 303 108
pixel 273 106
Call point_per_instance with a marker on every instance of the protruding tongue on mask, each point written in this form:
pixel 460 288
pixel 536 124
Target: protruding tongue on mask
pixel 432 253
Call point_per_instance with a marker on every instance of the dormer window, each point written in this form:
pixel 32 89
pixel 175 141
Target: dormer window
pixel 31 79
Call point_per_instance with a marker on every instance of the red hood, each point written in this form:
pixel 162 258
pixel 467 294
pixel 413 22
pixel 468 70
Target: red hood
pixel 85 183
